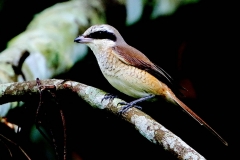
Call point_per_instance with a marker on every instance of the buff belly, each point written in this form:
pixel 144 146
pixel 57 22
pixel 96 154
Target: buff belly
pixel 135 82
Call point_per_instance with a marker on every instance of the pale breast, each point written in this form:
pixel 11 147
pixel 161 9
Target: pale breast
pixel 128 79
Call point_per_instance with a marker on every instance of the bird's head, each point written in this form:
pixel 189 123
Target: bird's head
pixel 100 36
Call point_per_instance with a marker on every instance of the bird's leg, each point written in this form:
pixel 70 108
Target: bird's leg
pixel 132 104
pixel 109 96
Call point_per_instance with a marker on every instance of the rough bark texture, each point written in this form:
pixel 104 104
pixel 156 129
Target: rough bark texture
pixel 148 127
pixel 46 48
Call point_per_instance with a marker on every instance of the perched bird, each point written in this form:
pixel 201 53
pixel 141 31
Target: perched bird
pixel 130 71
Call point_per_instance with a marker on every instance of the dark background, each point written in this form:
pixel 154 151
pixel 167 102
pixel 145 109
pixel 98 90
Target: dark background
pixel 196 45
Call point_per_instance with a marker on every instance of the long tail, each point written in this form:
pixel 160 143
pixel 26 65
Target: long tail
pixel 197 118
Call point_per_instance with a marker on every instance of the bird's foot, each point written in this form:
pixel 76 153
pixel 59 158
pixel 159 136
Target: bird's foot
pixel 132 104
pixel 128 106
pixel 109 96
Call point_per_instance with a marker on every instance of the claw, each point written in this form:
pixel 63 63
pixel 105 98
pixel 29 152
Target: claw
pixel 127 107
pixel 108 96
pixel 132 104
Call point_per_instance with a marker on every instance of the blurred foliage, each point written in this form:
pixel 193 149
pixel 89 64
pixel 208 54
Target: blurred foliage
pixel 188 39
pixel 134 12
pixel 1 4
pixel 16 15
pixel 160 8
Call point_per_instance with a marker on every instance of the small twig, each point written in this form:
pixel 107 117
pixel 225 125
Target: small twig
pixel 10 153
pixel 52 89
pixel 17 146
pixel 63 123
pixel 148 127
pixel 37 121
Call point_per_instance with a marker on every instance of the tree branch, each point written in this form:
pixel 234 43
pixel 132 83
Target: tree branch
pixel 48 41
pixel 148 127
pixel 46 48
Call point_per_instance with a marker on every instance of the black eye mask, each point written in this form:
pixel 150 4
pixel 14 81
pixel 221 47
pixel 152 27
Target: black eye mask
pixel 102 35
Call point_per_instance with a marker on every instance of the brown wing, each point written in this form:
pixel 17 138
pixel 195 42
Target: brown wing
pixel 132 56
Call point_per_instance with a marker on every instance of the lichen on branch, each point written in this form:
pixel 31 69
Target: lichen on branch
pixel 148 127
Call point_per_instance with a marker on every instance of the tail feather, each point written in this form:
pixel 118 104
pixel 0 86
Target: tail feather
pixel 197 118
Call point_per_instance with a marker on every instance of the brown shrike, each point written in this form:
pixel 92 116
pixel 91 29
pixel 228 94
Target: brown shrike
pixel 130 71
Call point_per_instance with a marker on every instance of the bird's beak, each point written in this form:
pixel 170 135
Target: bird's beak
pixel 82 39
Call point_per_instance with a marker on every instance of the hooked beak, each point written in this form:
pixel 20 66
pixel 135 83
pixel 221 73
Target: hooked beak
pixel 82 39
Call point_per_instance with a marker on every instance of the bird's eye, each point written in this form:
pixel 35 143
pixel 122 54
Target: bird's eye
pixel 102 35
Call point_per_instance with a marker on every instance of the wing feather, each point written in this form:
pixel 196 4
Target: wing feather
pixel 137 59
